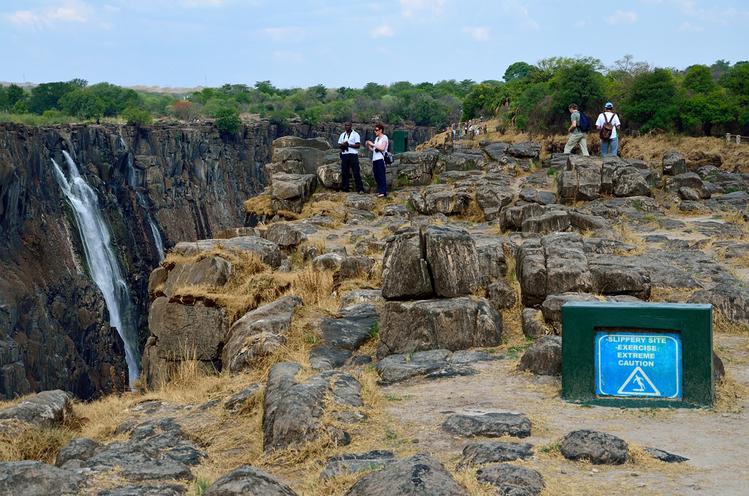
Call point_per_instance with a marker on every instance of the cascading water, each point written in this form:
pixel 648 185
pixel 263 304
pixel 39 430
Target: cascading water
pixel 134 182
pixel 102 263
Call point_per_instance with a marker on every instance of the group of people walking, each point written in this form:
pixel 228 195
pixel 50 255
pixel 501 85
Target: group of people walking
pixel 607 123
pixel 349 143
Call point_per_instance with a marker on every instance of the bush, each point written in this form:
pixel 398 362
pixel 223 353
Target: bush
pixel 137 116
pixel 228 121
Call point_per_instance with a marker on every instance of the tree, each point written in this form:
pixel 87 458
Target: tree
pixel 228 121
pixel 652 102
pixel 737 79
pixel 518 70
pixel 137 116
pixel 83 104
pixel 46 96
pixel 14 94
pixel 184 110
pixel 698 79
pixel 577 83
pixel 482 100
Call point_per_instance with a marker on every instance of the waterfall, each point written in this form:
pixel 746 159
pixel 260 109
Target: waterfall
pixel 103 266
pixel 133 180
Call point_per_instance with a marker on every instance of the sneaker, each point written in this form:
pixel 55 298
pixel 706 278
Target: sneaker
pixel 380 195
pixel 361 192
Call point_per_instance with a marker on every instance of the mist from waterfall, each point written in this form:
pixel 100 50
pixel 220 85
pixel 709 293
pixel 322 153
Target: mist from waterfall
pixel 103 266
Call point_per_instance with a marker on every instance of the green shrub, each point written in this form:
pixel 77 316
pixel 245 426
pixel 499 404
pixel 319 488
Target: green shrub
pixel 135 116
pixel 228 121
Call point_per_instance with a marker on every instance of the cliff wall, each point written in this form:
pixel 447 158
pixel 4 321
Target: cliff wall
pixel 183 182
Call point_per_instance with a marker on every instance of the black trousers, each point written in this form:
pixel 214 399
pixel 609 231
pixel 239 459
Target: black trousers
pixel 349 164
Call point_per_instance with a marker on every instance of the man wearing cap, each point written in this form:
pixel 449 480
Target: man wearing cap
pixel 608 127
pixel 349 143
pixel 576 135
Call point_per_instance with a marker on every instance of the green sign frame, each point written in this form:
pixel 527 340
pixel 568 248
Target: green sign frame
pixel 693 322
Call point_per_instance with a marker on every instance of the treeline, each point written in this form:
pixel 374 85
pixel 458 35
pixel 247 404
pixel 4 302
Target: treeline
pixel 424 104
pixel 700 100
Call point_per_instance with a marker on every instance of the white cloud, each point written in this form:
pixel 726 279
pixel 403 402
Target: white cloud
pixel 422 8
pixel 382 31
pixel 687 26
pixel 66 11
pixel 477 33
pixel 286 34
pixel 621 17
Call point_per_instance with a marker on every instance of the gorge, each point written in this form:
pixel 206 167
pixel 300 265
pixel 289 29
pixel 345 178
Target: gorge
pixel 154 186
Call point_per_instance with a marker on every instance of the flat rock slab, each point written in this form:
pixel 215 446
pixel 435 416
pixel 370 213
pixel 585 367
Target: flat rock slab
pixel 156 450
pixel 511 480
pixel 597 447
pixel 268 251
pixel 493 452
pixel 247 480
pixel 344 335
pixel 156 490
pixel 494 424
pixel 293 411
pixel 432 364
pixel 356 462
pixel 32 478
pixel 419 475
pixel 45 409
pixel 665 456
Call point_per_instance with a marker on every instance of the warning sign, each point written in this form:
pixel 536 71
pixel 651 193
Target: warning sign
pixel 638 364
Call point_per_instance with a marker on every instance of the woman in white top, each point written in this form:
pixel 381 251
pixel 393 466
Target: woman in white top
pixel 379 145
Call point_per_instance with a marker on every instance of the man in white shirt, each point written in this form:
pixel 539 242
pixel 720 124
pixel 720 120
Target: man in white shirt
pixel 608 125
pixel 349 143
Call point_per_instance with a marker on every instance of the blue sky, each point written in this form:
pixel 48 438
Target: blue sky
pixel 184 43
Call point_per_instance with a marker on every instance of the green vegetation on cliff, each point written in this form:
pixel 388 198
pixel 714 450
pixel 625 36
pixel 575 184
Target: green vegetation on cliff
pixel 699 100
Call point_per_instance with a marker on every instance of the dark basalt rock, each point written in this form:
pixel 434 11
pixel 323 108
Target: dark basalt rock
pixel 493 452
pixel 596 447
pixel 419 475
pixel 511 480
pixel 356 462
pixel 32 478
pixel 248 480
pixel 495 424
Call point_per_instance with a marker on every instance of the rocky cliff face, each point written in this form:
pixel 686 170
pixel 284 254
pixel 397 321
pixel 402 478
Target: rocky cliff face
pixel 177 183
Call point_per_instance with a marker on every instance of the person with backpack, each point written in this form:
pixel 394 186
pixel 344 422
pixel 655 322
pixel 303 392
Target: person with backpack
pixel 608 125
pixel 579 127
pixel 379 149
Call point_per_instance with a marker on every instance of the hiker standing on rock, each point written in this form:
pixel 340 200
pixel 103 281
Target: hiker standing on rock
pixel 576 132
pixel 378 147
pixel 608 129
pixel 349 142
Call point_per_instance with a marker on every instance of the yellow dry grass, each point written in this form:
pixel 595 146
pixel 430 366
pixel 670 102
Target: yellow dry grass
pixel 33 443
pixel 259 205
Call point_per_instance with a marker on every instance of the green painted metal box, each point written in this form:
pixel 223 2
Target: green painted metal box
pixel 637 354
pixel 400 141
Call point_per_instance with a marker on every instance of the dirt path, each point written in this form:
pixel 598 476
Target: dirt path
pixel 713 440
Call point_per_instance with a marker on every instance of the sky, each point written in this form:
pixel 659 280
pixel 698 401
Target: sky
pixel 300 43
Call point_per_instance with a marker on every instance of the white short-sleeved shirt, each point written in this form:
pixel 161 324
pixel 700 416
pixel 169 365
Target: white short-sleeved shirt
pixel 353 139
pixel 615 121
pixel 380 142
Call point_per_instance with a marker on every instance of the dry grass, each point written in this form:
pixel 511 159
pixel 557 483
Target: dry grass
pixel 259 205
pixel 33 443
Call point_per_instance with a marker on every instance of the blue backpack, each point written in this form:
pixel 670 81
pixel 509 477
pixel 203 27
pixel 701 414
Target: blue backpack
pixel 584 124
